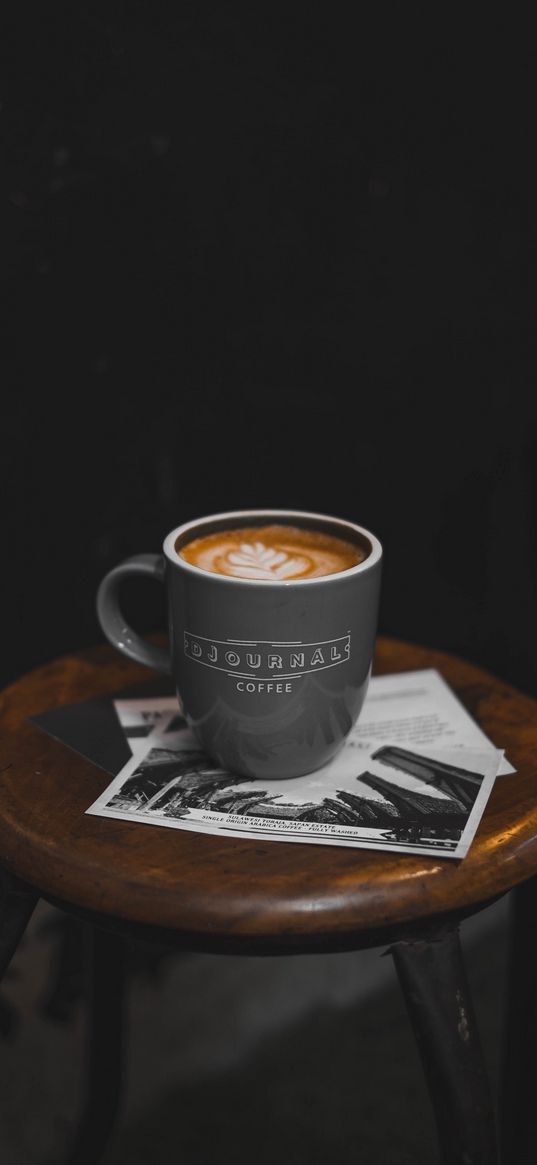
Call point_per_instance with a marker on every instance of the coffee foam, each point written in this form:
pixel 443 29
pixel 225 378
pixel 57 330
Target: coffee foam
pixel 275 553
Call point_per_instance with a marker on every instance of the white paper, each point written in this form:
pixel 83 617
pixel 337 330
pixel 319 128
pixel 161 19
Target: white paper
pixel 138 718
pixel 366 797
pixel 419 708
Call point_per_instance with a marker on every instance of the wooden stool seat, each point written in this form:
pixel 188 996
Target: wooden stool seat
pixel 257 893
pixel 269 897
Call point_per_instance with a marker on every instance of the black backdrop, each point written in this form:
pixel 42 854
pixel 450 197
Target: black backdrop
pixel 267 256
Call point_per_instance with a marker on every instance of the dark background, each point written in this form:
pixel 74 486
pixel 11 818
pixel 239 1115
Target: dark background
pixel 261 256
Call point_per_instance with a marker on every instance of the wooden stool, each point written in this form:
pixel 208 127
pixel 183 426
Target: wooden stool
pixel 224 894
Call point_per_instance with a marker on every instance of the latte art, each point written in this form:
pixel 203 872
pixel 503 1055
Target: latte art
pixel 272 553
pixel 259 561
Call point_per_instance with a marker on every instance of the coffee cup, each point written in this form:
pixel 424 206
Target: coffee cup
pixel 272 621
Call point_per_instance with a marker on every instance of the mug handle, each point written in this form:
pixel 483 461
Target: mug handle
pixel 117 631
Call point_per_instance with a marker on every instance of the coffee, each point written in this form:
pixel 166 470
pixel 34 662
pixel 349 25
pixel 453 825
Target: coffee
pixel 271 678
pixel 272 553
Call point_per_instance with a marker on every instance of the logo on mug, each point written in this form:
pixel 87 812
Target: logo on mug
pixel 272 665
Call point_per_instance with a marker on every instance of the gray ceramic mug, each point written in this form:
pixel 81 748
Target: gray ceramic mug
pixel 271 675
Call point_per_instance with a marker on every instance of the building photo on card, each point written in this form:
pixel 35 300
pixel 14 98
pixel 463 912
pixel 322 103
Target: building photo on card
pixel 423 792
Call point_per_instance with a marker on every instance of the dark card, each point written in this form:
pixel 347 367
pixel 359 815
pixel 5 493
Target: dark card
pixel 92 728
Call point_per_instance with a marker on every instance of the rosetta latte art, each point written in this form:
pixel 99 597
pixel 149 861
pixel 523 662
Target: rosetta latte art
pixel 259 561
pixel 273 553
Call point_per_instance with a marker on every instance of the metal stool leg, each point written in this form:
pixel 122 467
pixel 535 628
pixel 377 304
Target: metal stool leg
pixel 519 1085
pixel 17 901
pixel 433 980
pixel 105 1047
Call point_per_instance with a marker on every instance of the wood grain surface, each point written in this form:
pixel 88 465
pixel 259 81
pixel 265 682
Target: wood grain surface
pixel 210 886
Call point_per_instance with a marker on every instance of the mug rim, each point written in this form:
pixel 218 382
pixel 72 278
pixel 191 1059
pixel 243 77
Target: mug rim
pixel 175 558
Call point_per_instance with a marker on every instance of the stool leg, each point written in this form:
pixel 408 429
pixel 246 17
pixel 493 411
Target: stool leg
pixel 17 901
pixel 433 980
pixel 519 1084
pixel 105 1048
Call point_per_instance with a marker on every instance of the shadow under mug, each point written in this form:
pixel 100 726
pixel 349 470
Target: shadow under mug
pixel 271 675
